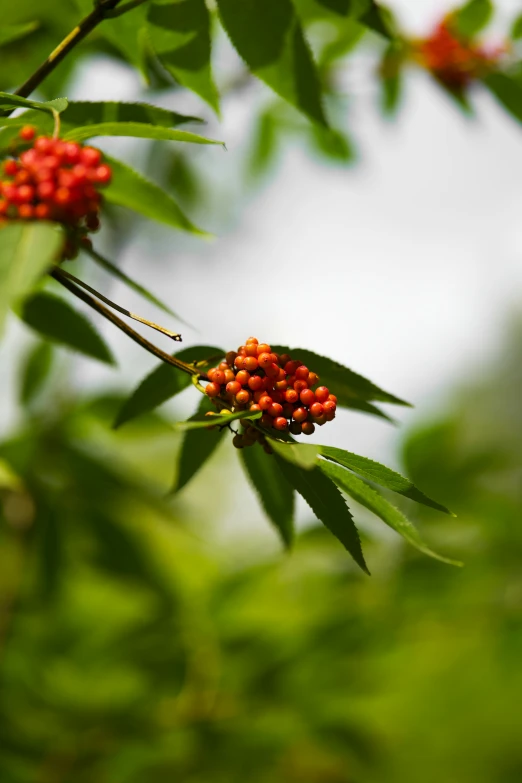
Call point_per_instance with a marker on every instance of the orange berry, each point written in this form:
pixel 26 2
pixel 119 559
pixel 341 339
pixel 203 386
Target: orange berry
pixel 307 397
pixel 280 423
pixel 307 428
pixel 27 133
pixel 300 414
pixel 321 394
pixel 212 389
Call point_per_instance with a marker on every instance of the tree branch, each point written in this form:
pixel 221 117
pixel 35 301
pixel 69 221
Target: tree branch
pixel 87 25
pixel 148 346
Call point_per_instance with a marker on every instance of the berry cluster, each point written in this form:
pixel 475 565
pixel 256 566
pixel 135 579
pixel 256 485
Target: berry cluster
pixel 454 61
pixel 54 180
pixel 257 379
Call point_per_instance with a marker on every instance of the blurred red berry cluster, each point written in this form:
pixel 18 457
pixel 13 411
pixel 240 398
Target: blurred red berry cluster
pixel 54 180
pixel 257 379
pixel 454 61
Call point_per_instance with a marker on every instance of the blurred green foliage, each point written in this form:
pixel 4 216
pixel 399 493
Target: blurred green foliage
pixel 131 652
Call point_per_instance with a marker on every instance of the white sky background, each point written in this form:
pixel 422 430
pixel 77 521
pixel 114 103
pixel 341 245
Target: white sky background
pixel 404 267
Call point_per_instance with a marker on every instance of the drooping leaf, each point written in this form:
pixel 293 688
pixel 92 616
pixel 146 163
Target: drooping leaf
pixel 341 381
pixel 35 371
pixel 13 32
pixel 56 320
pixel 130 189
pixel 507 91
pixel 119 550
pixel 380 474
pixel 198 445
pixel 379 19
pixel 332 144
pixel 269 38
pixel 304 455
pixel 179 31
pixel 139 130
pixel 516 28
pixel 164 382
pixel 8 101
pixel 472 17
pixel 372 500
pixel 390 73
pixel 201 421
pixel 327 503
pixel 27 250
pixel 274 491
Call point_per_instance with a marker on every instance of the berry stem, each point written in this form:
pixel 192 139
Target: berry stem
pixel 61 277
pixel 57 124
pixel 86 26
pixel 134 316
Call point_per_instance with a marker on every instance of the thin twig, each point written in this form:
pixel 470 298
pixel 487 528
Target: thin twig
pixel 86 26
pixel 124 9
pixel 58 275
pixel 173 335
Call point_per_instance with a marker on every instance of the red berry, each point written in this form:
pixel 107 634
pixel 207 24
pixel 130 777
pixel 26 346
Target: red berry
pixel 90 156
pixel 307 428
pixel 280 423
pixel 26 211
pixel 103 174
pixel 10 167
pixel 313 378
pixel 276 395
pixel 295 428
pixel 255 407
pixel 250 363
pixel 302 373
pixel 230 358
pixel 238 361
pixel 27 133
pixel 288 410
pixel 251 349
pixel 252 340
pixel 25 194
pixel 212 389
pixel 281 386
pixel 265 402
pixel 316 409
pixel 258 394
pixel 300 414
pixel 243 377
pixel 72 152
pixel 42 211
pixel 255 383
pixel 44 144
pixel 243 396
pixel 332 398
pixel 266 420
pixel 329 405
pixel 291 367
pixel 272 370
pixel 299 386
pixel 263 348
pixel 307 397
pixel 4 206
pixel 233 387
pixel 283 359
pixel 218 377
pixel 291 395
pixel 49 162
pixel 329 415
pixel 320 420
pixel 23 177
pixel 229 375
pixel 321 394
pixel 62 196
pixel 265 360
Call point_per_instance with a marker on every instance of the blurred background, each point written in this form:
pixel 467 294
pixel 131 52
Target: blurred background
pixel 146 638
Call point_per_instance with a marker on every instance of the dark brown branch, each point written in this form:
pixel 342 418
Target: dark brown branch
pixel 148 346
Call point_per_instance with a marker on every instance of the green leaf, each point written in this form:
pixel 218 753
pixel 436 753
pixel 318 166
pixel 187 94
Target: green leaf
pixel 137 130
pixel 390 73
pixel 380 474
pixel 130 189
pixel 13 32
pixel 35 371
pixel 472 17
pixel 516 28
pixel 341 381
pixel 304 455
pixel 56 320
pixel 333 144
pixel 370 499
pixel 8 101
pixel 179 31
pixel 327 503
pixel 164 382
pixel 269 38
pixel 198 445
pixel 49 551
pixel 8 478
pixel 507 91
pixel 200 422
pixel 27 250
pixel 275 493
pixel 380 20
